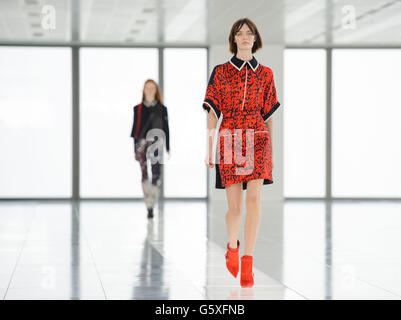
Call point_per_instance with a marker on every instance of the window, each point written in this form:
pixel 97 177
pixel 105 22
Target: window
pixel 366 123
pixel 35 121
pixel 111 85
pixel 304 122
pixel 185 84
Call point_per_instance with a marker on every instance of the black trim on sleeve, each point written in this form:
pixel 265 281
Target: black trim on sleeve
pixel 209 103
pixel 275 107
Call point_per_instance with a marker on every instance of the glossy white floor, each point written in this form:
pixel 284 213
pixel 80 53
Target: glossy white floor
pixel 110 250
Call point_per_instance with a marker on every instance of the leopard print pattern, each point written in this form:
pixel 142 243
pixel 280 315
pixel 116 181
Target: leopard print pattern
pixel 244 155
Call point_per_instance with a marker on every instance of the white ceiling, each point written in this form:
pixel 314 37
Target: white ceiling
pixel 376 22
pixel 201 22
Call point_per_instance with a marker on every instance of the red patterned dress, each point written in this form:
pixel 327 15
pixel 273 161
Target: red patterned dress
pixel 242 95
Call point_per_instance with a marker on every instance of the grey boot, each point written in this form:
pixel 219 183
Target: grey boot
pixel 147 194
pixel 150 213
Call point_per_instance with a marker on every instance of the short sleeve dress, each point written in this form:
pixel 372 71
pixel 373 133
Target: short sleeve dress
pixel 242 95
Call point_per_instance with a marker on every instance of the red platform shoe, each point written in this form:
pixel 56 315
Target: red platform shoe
pixel 247 274
pixel 232 259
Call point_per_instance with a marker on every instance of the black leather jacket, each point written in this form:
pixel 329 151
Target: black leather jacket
pixel 147 118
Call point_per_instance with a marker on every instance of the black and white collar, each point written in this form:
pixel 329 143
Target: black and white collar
pixel 238 63
pixel 149 104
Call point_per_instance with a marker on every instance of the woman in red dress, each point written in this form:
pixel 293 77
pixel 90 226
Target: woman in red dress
pixel 240 99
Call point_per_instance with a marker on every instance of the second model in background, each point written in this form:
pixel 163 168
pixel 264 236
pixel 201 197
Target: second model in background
pixel 148 115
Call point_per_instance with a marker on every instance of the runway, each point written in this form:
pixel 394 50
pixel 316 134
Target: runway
pixel 110 250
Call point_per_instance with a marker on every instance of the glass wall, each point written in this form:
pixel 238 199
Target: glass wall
pixel 366 123
pixel 365 129
pixel 111 85
pixel 35 122
pixel 304 122
pixel 185 84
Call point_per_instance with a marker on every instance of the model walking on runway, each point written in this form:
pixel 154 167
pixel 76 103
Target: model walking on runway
pixel 241 97
pixel 149 115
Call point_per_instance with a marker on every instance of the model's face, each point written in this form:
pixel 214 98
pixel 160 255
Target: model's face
pixel 244 38
pixel 150 91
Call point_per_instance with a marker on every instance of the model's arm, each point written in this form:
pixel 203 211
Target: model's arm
pixel 269 125
pixel 211 129
pixel 166 128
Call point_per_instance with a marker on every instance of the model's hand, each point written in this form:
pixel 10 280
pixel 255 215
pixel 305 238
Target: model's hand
pixel 208 161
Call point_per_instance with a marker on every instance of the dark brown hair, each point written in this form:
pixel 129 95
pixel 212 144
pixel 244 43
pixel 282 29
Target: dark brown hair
pixel 238 25
pixel 158 95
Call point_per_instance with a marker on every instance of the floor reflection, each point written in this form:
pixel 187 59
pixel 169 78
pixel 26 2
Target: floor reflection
pixel 151 273
pixel 110 250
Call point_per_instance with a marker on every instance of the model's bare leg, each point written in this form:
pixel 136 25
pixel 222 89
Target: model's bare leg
pixel 233 216
pixel 253 214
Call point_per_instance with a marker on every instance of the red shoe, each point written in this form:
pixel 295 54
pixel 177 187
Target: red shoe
pixel 247 274
pixel 232 259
